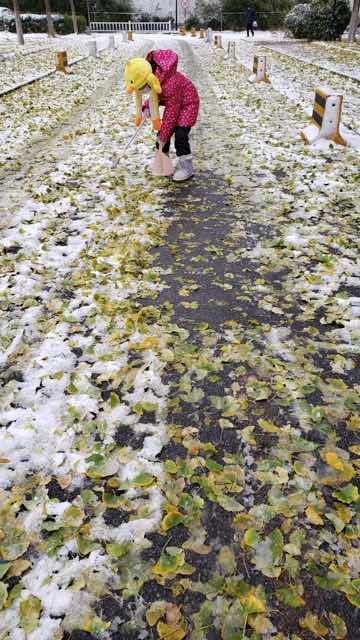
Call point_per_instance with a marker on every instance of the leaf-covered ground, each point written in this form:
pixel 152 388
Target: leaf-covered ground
pixel 38 55
pixel 338 56
pixel 297 72
pixel 179 446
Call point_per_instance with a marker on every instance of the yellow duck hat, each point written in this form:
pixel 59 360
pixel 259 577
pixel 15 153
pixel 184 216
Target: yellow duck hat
pixel 138 73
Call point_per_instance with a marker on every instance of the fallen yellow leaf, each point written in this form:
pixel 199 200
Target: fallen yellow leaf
pixel 313 515
pixel 333 460
pixel 173 614
pixel 170 631
pixel 64 481
pixel 312 622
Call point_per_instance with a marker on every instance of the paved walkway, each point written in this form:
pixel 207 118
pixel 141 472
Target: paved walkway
pixel 203 383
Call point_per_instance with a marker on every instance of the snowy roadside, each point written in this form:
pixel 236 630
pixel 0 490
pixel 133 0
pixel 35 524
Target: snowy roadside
pixel 297 80
pixel 338 56
pixel 23 66
pixel 36 111
pixel 83 408
pixel 88 353
pixel 317 179
pixel 337 60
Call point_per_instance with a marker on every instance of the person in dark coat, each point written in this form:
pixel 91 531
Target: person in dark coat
pixel 250 15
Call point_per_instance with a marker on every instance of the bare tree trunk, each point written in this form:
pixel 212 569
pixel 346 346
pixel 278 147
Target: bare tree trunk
pixel 19 31
pixel 51 30
pixel 74 19
pixel 354 21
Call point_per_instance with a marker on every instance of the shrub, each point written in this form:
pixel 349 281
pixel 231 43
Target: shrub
pixel 298 20
pixel 65 24
pixel 192 21
pixel 37 23
pixel 319 20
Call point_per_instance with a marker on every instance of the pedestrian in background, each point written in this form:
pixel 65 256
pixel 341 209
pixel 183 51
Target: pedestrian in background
pixel 250 19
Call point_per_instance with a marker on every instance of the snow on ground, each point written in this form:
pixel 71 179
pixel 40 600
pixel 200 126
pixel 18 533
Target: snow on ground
pixel 91 366
pixel 298 79
pixel 38 56
pixel 63 232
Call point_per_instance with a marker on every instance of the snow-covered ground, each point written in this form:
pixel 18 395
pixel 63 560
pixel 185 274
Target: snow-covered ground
pixel 20 65
pixel 298 76
pixel 85 350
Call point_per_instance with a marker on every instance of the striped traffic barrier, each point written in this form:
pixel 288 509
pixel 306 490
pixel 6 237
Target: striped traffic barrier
pixel 259 69
pixel 325 119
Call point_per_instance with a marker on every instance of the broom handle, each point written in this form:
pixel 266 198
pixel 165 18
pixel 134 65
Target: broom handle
pixel 135 135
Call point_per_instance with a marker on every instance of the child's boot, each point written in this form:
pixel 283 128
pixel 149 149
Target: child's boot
pixel 184 169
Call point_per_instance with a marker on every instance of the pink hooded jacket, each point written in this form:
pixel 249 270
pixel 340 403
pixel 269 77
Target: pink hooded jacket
pixel 179 96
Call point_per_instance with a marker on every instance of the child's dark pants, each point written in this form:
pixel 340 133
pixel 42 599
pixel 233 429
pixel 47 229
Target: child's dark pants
pixel 182 145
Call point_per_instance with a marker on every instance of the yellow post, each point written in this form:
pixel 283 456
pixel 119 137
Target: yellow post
pixel 130 36
pixel 61 61
pixel 259 69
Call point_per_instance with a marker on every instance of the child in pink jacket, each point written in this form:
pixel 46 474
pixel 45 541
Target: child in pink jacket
pixel 181 101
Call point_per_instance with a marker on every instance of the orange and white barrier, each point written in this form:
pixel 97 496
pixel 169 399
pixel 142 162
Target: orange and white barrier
pixel 62 62
pixel 325 119
pixel 259 70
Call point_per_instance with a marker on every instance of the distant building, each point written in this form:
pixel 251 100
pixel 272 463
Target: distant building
pixel 163 8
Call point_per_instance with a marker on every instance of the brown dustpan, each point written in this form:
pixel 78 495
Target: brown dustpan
pixel 161 165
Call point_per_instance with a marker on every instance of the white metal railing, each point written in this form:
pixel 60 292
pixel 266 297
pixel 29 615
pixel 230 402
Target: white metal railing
pixel 142 27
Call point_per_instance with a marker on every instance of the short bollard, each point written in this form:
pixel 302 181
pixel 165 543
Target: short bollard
pixel 209 36
pixel 218 42
pixel 201 34
pixel 231 50
pixel 325 119
pixel 259 70
pixel 62 62
pixel 92 48
pixel 111 43
pixel 130 36
pixel 193 32
pixel 183 31
pixel 124 36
